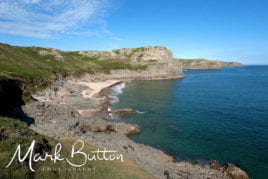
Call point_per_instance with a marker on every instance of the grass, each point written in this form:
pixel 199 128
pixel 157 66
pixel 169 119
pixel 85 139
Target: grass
pixel 14 132
pixel 139 49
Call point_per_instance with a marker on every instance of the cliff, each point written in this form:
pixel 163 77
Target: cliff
pixel 203 64
pixel 158 60
pixel 134 55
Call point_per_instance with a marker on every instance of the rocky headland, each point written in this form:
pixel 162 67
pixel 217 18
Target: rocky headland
pixel 159 62
pixel 204 64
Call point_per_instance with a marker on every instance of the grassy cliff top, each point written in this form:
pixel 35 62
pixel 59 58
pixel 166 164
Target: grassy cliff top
pixel 38 67
pixel 37 62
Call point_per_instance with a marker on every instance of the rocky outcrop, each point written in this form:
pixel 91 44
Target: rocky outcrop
pixel 230 170
pixel 134 55
pixel 124 112
pixel 203 64
pixel 51 51
pixel 158 60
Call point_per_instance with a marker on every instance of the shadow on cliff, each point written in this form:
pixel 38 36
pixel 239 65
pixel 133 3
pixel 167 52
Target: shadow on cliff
pixel 11 101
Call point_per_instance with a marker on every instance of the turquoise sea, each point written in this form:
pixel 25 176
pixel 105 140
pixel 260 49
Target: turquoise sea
pixel 207 115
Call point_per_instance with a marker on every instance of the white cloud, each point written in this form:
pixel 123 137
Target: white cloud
pixel 45 18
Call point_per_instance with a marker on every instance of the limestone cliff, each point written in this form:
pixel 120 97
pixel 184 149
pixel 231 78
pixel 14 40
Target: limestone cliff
pixel 158 60
pixel 141 54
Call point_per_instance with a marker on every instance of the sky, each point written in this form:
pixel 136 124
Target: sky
pixel 230 30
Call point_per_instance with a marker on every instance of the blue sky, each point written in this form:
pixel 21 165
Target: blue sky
pixel 230 30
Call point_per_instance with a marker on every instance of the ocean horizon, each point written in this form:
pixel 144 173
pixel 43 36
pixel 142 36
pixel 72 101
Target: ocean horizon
pixel 207 115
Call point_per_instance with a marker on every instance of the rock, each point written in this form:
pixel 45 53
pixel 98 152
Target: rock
pixel 230 170
pixel 235 172
pixel 124 112
pixel 74 114
pixel 51 51
pixel 111 128
pixel 215 165
pixel 132 130
pixel 104 128
pixel 85 128
pixel 101 128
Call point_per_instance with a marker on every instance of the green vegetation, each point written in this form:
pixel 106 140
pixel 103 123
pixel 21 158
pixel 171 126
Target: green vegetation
pixel 139 49
pixel 106 65
pixel 134 50
pixel 14 132
pixel 38 67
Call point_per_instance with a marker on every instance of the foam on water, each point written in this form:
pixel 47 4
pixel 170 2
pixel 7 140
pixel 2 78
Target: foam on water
pixel 140 112
pixel 115 91
pixel 118 89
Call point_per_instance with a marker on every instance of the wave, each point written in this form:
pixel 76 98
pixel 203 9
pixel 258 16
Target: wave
pixel 140 112
pixel 118 89
pixel 115 91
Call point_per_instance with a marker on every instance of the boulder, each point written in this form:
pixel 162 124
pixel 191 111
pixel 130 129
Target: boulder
pixel 235 172
pixel 124 112
pixel 132 130
pixel 230 170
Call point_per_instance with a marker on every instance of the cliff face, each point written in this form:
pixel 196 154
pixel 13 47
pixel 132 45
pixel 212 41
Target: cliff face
pixel 134 55
pixel 158 60
pixel 204 64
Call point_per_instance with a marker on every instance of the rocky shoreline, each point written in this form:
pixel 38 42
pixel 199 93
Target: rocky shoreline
pixel 74 108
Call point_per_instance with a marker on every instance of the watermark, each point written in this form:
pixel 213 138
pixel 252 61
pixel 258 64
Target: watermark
pixel 56 156
pixel 68 169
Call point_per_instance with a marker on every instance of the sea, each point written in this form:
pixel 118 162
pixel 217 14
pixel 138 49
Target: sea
pixel 208 115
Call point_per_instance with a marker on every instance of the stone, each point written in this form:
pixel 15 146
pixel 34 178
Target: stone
pixel 124 112
pixel 132 130
pixel 215 165
pixel 235 172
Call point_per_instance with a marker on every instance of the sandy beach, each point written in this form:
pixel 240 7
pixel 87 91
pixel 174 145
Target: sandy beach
pixel 96 87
